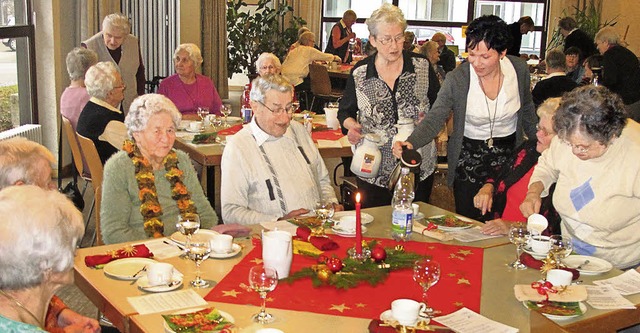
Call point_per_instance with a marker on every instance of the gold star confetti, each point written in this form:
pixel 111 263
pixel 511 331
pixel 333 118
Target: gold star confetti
pixel 339 307
pixel 431 247
pixel 465 252
pixel 463 281
pixel 452 274
pixel 113 253
pixel 454 256
pixel 269 299
pixel 257 261
pixel 458 304
pixel 231 293
pixel 129 250
pixel 245 287
pixel 361 305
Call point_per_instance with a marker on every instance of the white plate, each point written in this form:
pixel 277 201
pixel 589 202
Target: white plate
pixel 387 316
pixel 535 255
pixel 594 267
pixel 232 119
pixel 143 284
pixel 182 239
pixel 188 129
pixel 419 216
pixel 444 228
pixel 235 249
pixel 347 233
pixel 123 269
pixel 366 218
pixel 226 316
pixel 556 317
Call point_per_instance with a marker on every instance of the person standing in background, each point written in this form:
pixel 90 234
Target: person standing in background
pixel 517 29
pixel 340 35
pixel 447 58
pixel 115 43
pixel 576 37
pixel 75 96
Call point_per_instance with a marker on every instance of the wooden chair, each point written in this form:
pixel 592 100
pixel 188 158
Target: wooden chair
pixel 95 167
pixel 76 152
pixel 321 84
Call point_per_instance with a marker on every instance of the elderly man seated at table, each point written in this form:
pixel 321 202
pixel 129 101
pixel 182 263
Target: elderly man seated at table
pixel 556 83
pixel 271 169
pixel 101 120
pixel 24 162
pixel 149 184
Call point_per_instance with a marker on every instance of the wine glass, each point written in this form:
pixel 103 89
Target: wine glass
pixel 226 111
pixel 199 250
pixel 324 210
pixel 295 105
pixel 188 224
pixel 203 112
pixel 426 272
pixel 560 247
pixel 518 235
pixel 263 280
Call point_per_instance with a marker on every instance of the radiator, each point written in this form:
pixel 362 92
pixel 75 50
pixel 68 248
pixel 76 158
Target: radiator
pixel 31 131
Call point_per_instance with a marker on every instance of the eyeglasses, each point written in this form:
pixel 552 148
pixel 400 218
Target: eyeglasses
pixel 123 87
pixel 387 40
pixel 289 109
pixel 270 67
pixel 543 130
pixel 581 149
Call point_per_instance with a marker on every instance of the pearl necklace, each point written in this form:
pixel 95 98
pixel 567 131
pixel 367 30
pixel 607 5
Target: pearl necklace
pixel 16 302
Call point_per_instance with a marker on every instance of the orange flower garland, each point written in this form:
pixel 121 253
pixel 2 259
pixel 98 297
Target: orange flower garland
pixel 150 206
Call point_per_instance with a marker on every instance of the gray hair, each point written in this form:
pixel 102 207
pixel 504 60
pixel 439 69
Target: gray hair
pixel 265 56
pixel 556 59
pixel 609 35
pixel 192 50
pixel 101 79
pixel 78 62
pixel 387 13
pixel 548 107
pixel 145 106
pixel 427 47
pixel 117 21
pixel 302 30
pixel 306 37
pixel 262 84
pixel 19 159
pixel 36 239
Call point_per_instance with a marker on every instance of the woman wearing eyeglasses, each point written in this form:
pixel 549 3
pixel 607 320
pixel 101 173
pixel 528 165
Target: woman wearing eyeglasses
pixel 384 87
pixel 593 163
pixel 492 111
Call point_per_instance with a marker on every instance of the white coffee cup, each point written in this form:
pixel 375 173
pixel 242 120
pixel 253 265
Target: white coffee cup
pixel 195 126
pixel 221 243
pixel 347 222
pixel 416 209
pixel 540 244
pixel 159 273
pixel 406 311
pixel 559 277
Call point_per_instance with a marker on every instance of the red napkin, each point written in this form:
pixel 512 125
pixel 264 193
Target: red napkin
pixel 326 135
pixel 322 243
pixel 377 326
pixel 231 130
pixel 534 263
pixel 140 251
pixel 234 229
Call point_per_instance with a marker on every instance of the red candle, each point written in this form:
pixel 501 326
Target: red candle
pixel 358 226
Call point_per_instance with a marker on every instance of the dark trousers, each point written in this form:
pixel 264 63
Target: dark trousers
pixel 463 192
pixel 375 196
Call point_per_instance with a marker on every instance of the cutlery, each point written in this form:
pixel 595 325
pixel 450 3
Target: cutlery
pixel 143 269
pixel 586 262
pixel 180 247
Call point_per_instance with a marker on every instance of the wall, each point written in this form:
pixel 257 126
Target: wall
pixel 190 22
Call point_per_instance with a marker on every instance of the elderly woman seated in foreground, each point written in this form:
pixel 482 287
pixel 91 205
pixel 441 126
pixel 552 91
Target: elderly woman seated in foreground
pixel 37 247
pixel 149 184
pixel 597 179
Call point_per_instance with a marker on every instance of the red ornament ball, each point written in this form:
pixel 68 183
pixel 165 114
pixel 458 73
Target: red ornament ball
pixel 334 264
pixel 378 254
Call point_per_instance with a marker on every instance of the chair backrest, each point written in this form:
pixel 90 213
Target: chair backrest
pixel 93 160
pixel 320 82
pixel 97 195
pixel 76 152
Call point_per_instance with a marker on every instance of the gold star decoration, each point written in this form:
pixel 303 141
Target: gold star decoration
pixel 458 304
pixel 463 281
pixel 129 250
pixel 431 247
pixel 465 252
pixel 361 305
pixel 452 274
pixel 339 307
pixel 454 256
pixel 113 253
pixel 245 287
pixel 231 293
pixel 257 261
pixel 269 299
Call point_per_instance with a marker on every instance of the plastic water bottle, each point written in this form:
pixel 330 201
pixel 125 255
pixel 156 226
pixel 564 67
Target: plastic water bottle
pixel 245 105
pixel 402 216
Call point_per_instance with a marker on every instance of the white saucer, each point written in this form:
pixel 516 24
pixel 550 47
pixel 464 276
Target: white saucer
pixel 235 249
pixel 143 284
pixel 188 129
pixel 535 255
pixel 366 218
pixel 346 233
pixel 387 316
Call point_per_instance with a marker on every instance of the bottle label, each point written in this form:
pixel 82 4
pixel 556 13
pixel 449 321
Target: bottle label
pixel 367 163
pixel 246 115
pixel 402 221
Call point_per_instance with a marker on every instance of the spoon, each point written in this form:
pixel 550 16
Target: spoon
pixel 586 262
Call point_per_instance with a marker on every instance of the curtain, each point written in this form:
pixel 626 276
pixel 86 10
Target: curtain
pixel 214 44
pixel 310 11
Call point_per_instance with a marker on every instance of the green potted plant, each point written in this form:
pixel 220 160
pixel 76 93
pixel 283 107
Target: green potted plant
pixel 588 20
pixel 252 31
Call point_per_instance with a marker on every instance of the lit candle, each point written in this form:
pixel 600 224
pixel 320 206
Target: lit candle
pixel 358 226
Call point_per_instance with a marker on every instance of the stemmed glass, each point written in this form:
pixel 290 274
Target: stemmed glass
pixel 263 280
pixel 426 272
pixel 295 106
pixel 188 224
pixel 518 235
pixel 199 250
pixel 324 210
pixel 203 112
pixel 352 45
pixel 226 111
pixel 560 247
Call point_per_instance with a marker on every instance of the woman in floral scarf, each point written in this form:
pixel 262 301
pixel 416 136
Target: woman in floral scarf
pixel 149 184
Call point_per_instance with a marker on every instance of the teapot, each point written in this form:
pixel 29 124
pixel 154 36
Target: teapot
pixel 367 157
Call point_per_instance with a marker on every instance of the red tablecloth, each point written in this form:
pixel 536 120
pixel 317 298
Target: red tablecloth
pixel 231 130
pixel 326 135
pixel 459 285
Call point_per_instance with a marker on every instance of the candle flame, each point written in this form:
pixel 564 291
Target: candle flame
pixel 358 197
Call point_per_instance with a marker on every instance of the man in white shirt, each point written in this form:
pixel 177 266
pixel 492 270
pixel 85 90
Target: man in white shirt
pixel 271 169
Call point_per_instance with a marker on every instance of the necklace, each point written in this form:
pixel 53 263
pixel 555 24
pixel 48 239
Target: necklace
pixel 492 122
pixel 16 302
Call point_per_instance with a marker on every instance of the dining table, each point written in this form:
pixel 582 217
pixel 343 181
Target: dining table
pixel 210 155
pixel 342 71
pixel 496 293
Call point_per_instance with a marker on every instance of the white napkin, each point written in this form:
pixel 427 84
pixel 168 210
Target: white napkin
pixel 329 143
pixel 435 233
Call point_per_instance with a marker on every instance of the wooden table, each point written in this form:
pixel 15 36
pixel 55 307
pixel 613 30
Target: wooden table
pixel 342 72
pixel 497 302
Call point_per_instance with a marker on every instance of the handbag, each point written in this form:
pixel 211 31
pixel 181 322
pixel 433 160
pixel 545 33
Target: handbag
pixel 73 193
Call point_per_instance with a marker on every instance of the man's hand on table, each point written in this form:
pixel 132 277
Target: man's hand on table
pixel 73 322
pixel 295 213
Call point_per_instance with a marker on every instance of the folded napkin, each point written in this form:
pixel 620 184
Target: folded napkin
pixel 534 263
pixel 231 130
pixel 129 251
pixel 379 326
pixel 431 230
pixel 235 230
pixel 525 292
pixel 326 134
pixel 322 243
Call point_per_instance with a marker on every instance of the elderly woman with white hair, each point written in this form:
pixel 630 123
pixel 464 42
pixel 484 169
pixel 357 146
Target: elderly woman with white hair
pixel 75 96
pixel 149 182
pixel 268 64
pixel 37 249
pixel 101 120
pixel 187 89
pixel 115 43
